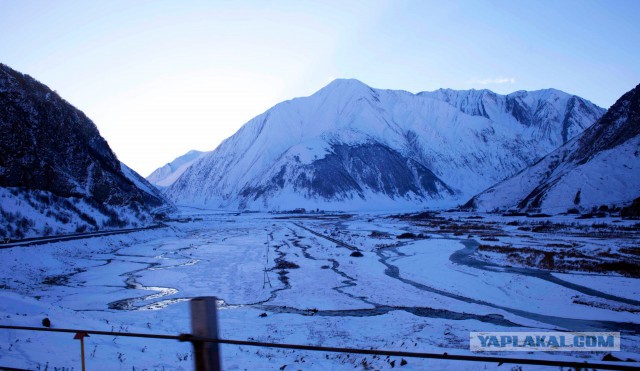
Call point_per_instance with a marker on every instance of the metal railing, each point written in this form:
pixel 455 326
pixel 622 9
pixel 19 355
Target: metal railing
pixel 207 354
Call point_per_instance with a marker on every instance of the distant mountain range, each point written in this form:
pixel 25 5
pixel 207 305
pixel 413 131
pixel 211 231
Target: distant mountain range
pixel 600 167
pixel 169 173
pixel 57 174
pixel 346 147
pixel 352 147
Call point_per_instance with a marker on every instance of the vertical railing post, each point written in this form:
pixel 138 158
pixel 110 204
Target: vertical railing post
pixel 204 323
pixel 80 336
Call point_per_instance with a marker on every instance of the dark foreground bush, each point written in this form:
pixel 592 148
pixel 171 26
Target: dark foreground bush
pixel 283 264
pixel 409 235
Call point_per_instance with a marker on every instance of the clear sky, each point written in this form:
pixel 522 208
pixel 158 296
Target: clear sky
pixel 162 77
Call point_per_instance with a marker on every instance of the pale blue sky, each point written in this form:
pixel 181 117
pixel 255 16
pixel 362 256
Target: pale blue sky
pixel 161 77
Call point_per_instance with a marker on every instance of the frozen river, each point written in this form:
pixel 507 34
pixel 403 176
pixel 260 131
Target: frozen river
pixel 423 293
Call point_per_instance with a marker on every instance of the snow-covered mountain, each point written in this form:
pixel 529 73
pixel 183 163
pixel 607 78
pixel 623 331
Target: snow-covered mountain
pixel 601 166
pixel 552 115
pixel 57 174
pixel 166 175
pixel 350 146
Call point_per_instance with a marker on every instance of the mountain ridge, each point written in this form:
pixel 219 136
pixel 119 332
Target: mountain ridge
pixel 279 149
pixel 598 167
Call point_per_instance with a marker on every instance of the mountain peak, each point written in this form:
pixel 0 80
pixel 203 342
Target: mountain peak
pixel 350 146
pixel 345 86
pixel 346 82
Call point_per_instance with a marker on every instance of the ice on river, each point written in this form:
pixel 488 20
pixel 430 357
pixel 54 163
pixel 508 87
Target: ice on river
pixel 422 295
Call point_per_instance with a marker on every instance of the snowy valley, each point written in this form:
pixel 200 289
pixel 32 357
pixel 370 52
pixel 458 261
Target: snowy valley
pixel 423 282
pixel 322 222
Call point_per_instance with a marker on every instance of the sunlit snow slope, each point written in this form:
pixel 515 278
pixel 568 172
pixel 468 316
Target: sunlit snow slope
pixel 166 175
pixel 350 147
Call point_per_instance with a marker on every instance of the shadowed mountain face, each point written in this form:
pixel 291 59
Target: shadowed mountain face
pixel 49 146
pixel 599 167
pixel 351 171
pixel 620 124
pixel 351 147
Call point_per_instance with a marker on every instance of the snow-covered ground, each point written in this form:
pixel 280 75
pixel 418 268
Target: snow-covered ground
pixel 423 294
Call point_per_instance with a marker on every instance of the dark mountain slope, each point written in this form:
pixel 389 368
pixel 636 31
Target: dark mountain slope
pixel 51 150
